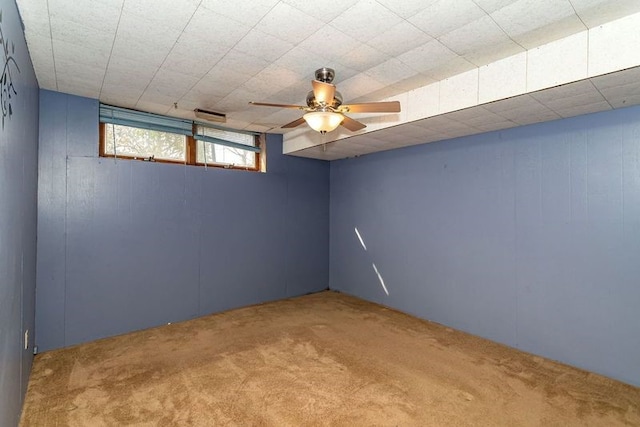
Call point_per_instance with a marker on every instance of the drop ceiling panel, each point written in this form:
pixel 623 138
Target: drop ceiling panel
pixel 557 62
pixel 363 57
pixel 216 28
pixel 444 16
pixel 219 54
pixel 288 23
pixel 99 16
pixel 165 13
pixel 428 56
pixel 365 19
pixel 329 11
pixel 247 12
pixel 614 48
pixel 263 45
pixel 598 12
pixel 397 39
pixel 503 79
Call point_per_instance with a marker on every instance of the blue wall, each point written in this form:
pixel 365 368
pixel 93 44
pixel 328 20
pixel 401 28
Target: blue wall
pixel 18 197
pixel 528 236
pixel 125 245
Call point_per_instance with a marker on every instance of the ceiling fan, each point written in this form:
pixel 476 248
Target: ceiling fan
pixel 325 110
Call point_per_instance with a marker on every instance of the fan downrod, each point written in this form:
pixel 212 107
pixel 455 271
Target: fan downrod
pixel 325 74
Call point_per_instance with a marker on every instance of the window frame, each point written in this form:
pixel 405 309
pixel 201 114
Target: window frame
pixel 190 152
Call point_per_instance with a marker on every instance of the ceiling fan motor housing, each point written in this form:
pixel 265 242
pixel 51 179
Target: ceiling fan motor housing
pixel 325 74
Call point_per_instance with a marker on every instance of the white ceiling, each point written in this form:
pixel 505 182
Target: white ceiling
pixel 220 54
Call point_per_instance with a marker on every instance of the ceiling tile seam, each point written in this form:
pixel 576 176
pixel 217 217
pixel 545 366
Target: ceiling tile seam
pixel 498 25
pixel 53 56
pixel 165 58
pixel 403 19
pixel 226 53
pixel 578 15
pixel 113 42
pixel 601 94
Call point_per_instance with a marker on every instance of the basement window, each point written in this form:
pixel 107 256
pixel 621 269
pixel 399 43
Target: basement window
pixel 224 148
pixel 136 135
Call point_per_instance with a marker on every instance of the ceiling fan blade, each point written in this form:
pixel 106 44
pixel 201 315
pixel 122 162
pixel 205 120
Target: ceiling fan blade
pixel 352 125
pixel 372 107
pixel 324 92
pixel 267 104
pixel 294 123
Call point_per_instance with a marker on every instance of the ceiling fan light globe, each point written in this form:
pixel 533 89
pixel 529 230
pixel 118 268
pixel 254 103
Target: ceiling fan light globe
pixel 323 121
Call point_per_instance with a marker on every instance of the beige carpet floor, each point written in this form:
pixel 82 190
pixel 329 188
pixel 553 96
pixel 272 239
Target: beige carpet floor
pixel 322 359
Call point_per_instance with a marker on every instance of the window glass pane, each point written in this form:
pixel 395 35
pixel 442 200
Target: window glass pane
pixel 209 153
pixel 240 138
pixel 136 142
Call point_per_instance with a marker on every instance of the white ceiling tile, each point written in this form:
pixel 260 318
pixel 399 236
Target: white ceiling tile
pixel 271 80
pixel 399 39
pixel 454 66
pixel 535 22
pixel 558 62
pixel 625 101
pixel 406 8
pixel 523 16
pixel 579 109
pixel 529 119
pixel 97 15
pixel 617 79
pixel 162 13
pixel 70 70
pixel 502 79
pixel 423 102
pixel 365 19
pixel 358 85
pixel 473 36
pixel 598 12
pixel 363 57
pixel 428 56
pixel 551 32
pixel 122 69
pixel 329 10
pixel 153 107
pixel 241 64
pixel 294 94
pixel 444 16
pixel 119 101
pixel 188 64
pixel 78 53
pixel 301 61
pixel 614 46
pixel 288 23
pixel 614 94
pixel 516 102
pixel 216 29
pixel 247 12
pixel 391 71
pixel 71 32
pixel 559 93
pixel 33 8
pixel 263 45
pixel 490 6
pixel 488 127
pixel 36 23
pixel 172 83
pixel 484 55
pixel 329 43
pixel 413 82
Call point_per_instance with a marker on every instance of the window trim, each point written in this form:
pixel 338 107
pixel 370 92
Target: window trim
pixel 190 152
